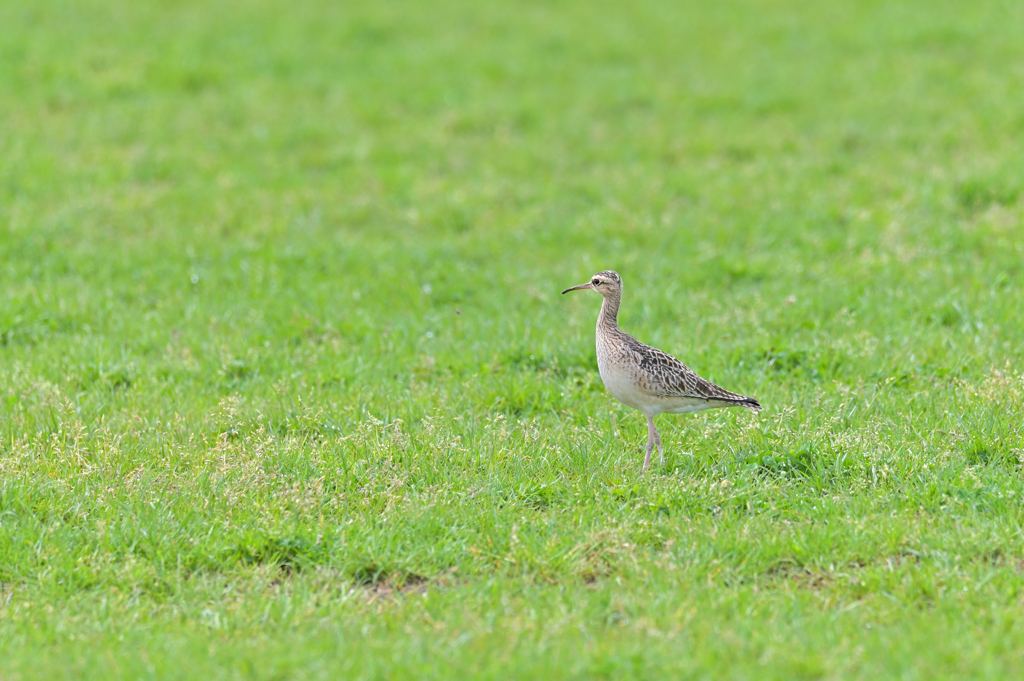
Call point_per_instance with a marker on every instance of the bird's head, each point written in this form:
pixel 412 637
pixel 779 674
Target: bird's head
pixel 607 283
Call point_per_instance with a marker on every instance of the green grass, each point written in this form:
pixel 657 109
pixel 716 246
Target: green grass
pixel 287 389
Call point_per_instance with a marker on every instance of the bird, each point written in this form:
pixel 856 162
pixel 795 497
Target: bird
pixel 644 377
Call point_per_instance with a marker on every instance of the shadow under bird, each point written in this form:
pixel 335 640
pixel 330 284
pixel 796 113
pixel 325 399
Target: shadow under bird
pixel 646 378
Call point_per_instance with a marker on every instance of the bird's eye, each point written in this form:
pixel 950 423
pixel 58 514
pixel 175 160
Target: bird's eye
pixel 596 281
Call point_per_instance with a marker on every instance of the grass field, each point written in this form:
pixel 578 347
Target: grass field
pixel 287 390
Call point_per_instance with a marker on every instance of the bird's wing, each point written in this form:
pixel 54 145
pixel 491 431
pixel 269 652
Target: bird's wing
pixel 671 378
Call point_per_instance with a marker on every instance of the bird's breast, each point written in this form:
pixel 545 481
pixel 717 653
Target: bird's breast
pixel 622 378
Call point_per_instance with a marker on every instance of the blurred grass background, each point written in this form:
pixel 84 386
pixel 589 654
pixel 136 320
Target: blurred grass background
pixel 288 389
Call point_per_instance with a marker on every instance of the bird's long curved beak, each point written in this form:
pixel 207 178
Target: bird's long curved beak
pixel 577 288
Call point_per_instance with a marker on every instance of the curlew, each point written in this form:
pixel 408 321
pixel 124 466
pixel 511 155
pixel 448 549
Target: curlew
pixel 646 378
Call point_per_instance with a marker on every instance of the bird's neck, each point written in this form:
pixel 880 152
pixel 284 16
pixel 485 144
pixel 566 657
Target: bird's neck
pixel 609 317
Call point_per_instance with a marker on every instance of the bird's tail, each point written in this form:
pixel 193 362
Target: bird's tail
pixel 749 403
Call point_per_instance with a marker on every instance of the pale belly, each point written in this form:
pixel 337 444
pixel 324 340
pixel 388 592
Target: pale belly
pixel 624 386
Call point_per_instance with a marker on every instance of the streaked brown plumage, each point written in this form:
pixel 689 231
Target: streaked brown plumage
pixel 646 378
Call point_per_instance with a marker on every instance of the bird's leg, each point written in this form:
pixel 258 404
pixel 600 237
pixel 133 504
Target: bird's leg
pixel 652 437
pixel 657 441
